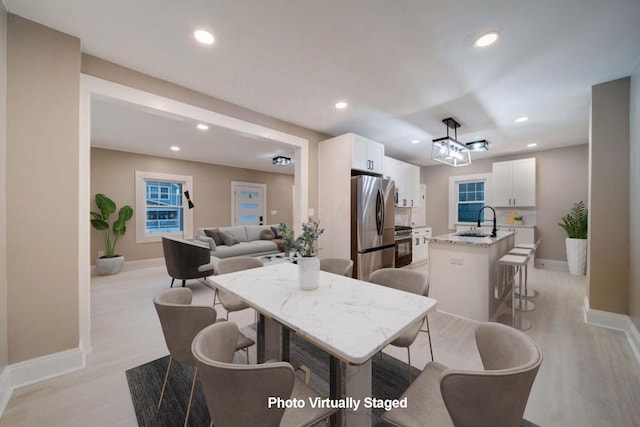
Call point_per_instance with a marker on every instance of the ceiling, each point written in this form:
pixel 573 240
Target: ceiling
pixel 402 66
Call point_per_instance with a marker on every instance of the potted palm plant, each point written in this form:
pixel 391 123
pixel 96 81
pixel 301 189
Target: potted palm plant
pixel 110 263
pixel 575 224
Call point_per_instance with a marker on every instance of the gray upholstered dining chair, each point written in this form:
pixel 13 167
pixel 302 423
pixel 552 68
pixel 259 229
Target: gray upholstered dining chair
pixel 186 259
pixel 408 281
pixel 496 396
pixel 180 323
pixel 340 266
pixel 237 395
pixel 229 301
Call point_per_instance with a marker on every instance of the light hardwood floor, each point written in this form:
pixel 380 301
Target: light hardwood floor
pixel 589 376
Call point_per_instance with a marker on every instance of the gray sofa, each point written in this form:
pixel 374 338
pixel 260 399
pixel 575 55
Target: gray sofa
pixel 252 241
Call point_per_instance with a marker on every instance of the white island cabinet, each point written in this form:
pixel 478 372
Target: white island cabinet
pixel 463 274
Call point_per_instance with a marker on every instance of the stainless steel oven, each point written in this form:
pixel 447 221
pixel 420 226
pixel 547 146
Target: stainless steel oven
pixel 404 246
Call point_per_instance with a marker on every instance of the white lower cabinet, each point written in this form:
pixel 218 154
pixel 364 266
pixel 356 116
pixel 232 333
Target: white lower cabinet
pixel 420 247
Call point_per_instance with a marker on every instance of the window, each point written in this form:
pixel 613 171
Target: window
pixel 467 195
pixel 160 206
pixel 470 201
pixel 164 207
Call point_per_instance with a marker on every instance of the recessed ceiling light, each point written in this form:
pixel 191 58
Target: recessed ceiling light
pixel 203 36
pixel 415 141
pixel 202 126
pixel 486 39
pixel 522 119
pixel 341 105
pixel 175 148
pixel 533 144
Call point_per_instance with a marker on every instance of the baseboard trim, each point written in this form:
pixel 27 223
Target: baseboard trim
pixel 615 321
pixel 5 389
pixel 551 264
pixel 135 265
pixel 42 368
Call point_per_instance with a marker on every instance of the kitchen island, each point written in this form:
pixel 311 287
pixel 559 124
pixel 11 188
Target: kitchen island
pixel 462 271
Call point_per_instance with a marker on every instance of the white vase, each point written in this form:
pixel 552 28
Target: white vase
pixel 110 265
pixel 577 256
pixel 308 273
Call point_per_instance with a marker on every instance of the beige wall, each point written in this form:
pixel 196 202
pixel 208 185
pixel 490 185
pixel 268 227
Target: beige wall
pixel 608 271
pixel 634 200
pixel 561 180
pixel 3 189
pixel 43 67
pixel 113 174
pixel 108 71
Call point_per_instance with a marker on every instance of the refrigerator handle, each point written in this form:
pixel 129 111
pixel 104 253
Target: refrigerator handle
pixel 379 212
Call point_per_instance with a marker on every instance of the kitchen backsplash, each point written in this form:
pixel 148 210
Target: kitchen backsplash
pixel 528 216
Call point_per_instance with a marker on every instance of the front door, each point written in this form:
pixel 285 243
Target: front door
pixel 248 204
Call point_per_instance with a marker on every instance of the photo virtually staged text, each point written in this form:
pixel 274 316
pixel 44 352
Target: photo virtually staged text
pixel 346 403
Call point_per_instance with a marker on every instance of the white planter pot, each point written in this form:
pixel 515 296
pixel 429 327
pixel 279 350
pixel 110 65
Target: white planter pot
pixel 309 273
pixel 112 265
pixel 577 256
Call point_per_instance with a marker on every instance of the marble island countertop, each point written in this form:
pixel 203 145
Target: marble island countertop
pixel 490 224
pixel 454 239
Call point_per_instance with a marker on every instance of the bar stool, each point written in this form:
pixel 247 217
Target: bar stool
pixel 521 303
pixel 513 263
pixel 528 293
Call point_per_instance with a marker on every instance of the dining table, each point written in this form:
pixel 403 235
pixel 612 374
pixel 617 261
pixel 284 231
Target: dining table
pixel 350 319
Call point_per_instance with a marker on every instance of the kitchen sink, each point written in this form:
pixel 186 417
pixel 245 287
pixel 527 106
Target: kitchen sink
pixel 473 233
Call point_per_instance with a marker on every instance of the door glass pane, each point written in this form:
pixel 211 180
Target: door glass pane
pixel 248 206
pixel 249 218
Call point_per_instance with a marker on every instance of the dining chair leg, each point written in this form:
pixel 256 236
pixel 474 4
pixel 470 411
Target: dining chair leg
pixel 164 384
pixel 409 358
pixel 246 352
pixel 215 295
pixel 193 385
pixel 429 335
pixel 173 279
pixel 184 281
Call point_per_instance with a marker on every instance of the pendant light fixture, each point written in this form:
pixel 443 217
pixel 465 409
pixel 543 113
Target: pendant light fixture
pixel 448 150
pixel 477 146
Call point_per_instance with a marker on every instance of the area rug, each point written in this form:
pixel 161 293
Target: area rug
pixel 389 380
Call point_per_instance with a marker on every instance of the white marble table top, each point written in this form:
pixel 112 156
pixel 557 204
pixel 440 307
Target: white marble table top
pixel 348 318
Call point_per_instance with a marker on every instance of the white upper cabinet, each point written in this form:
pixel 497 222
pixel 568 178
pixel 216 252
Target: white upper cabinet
pixel 407 179
pixel 514 183
pixel 366 155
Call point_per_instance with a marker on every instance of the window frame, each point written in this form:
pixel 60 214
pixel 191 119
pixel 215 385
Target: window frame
pixel 454 182
pixel 141 206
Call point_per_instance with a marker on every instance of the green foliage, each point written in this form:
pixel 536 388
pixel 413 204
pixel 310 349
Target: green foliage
pixel 575 222
pixel 287 236
pixel 306 243
pixel 100 221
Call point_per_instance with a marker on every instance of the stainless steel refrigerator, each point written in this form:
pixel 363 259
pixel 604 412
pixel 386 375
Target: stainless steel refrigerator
pixel 372 224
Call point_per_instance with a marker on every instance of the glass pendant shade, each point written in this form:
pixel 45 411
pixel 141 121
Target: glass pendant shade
pixel 449 151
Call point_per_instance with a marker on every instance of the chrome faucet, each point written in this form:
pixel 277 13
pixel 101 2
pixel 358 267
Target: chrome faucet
pixel 494 232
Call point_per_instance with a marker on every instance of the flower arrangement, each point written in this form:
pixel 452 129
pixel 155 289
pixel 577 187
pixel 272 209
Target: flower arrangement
pixel 287 237
pixel 306 243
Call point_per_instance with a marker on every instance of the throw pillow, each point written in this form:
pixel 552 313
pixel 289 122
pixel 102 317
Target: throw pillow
pixel 208 240
pixel 267 235
pixel 277 231
pixel 213 233
pixel 228 238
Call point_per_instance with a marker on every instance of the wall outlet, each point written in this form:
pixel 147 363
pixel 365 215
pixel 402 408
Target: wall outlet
pixel 100 254
pixel 274 212
pixel 457 261
pixel 311 211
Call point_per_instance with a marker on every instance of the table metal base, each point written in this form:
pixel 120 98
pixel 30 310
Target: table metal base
pixel 517 322
pixel 522 304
